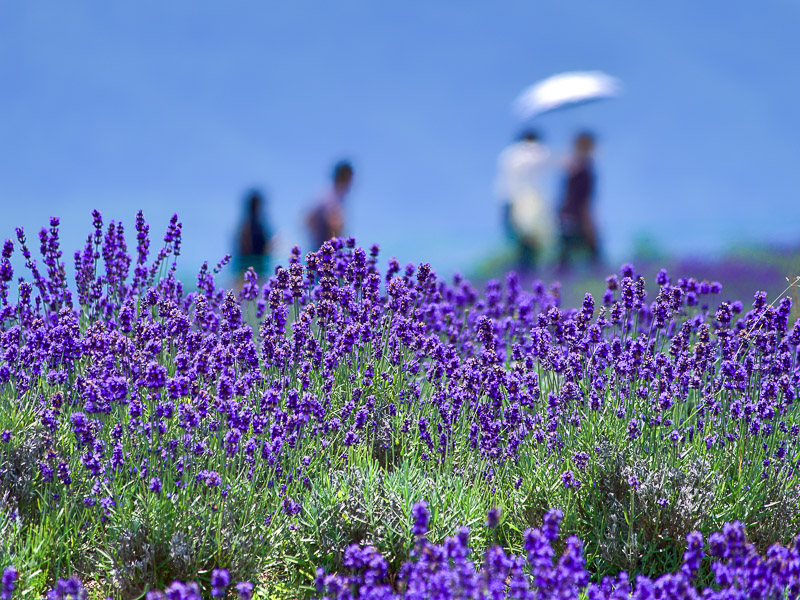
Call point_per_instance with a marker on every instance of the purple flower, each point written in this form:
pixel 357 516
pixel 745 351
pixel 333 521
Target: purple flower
pixel 493 518
pixel 290 507
pixel 68 589
pixel 8 582
pixel 155 375
pixel 245 590
pixel 551 523
pixel 209 478
pixel 580 459
pixel 220 580
pixel 420 514
pixel 64 473
pixel 694 553
pixel 634 428
pixel 569 480
pixel 178 590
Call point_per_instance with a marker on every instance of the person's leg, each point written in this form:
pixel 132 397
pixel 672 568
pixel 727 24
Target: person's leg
pixel 594 250
pixel 526 256
pixel 534 250
pixel 589 239
pixel 508 227
pixel 567 243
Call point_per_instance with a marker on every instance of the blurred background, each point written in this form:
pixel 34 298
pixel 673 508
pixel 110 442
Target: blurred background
pixel 184 106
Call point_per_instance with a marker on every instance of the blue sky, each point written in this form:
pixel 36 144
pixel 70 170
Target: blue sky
pixel 181 106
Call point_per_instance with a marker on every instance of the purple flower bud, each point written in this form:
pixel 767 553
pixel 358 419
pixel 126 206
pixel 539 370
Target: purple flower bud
pixel 245 590
pixel 220 579
pixel 420 514
pixel 493 518
pixel 8 582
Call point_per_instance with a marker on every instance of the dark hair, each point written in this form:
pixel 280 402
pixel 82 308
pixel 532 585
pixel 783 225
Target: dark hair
pixel 253 201
pixel 585 135
pixel 342 171
pixel 529 135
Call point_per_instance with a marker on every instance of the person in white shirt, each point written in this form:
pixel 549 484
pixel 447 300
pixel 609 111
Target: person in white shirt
pixel 526 216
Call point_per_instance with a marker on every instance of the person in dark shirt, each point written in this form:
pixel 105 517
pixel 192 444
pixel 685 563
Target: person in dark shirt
pixel 255 237
pixel 326 219
pixel 575 215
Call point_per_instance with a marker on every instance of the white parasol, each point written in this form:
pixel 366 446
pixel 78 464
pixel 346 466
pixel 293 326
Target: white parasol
pixel 565 89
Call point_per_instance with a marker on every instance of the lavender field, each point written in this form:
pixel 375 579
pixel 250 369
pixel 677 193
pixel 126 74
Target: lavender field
pixel 350 431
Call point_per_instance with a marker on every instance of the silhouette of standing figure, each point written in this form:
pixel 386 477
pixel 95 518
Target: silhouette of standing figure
pixel 526 216
pixel 255 237
pixel 326 220
pixel 577 224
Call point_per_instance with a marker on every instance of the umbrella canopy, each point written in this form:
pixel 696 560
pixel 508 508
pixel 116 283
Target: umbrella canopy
pixel 565 89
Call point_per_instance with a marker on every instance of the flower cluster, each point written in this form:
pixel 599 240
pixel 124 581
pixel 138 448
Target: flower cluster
pixel 73 588
pixel 208 410
pixel 447 571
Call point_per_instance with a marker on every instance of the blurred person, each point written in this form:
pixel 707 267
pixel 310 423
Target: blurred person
pixel 527 219
pixel 255 239
pixel 575 215
pixel 326 219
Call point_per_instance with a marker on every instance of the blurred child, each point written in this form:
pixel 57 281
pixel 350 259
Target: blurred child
pixel 255 238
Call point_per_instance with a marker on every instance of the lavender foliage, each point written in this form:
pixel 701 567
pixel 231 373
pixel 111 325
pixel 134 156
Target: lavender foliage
pixel 309 411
